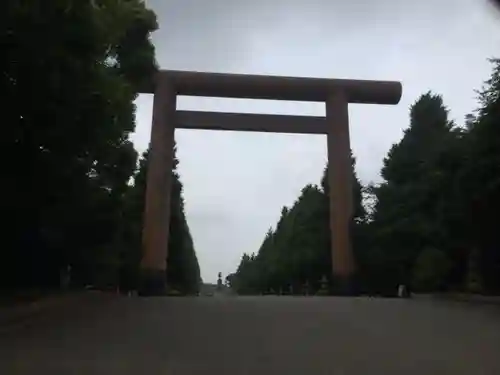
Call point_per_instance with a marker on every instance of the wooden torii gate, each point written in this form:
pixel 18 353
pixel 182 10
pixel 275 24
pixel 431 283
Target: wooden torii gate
pixel 335 93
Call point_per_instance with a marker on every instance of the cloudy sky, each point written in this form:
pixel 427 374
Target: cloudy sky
pixel 235 183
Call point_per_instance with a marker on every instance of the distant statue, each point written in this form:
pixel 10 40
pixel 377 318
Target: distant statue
pixel 219 281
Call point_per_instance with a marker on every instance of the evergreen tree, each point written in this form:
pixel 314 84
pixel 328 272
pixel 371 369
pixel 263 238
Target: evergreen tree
pixel 70 74
pixel 408 214
pixel 297 252
pixel 183 272
pixel 480 182
pixel 430 223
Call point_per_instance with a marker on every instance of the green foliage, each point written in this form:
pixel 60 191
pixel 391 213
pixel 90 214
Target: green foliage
pixel 430 270
pixel 430 224
pixel 183 272
pixel 413 208
pixel 70 74
pixel 440 191
pixel 297 252
pixel 480 181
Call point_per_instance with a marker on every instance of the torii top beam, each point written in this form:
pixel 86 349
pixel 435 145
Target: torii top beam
pixel 279 88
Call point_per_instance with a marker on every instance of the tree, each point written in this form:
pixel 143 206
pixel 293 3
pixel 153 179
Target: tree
pixel 480 182
pixel 70 74
pixel 429 225
pixel 411 213
pixel 430 270
pixel 183 271
pixel 297 252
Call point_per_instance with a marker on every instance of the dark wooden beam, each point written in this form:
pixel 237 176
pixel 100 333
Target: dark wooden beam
pixel 280 88
pixel 250 122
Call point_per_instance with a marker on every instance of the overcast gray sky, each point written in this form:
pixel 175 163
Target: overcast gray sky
pixel 235 183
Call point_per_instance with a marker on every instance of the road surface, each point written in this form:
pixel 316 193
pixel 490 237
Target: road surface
pixel 256 335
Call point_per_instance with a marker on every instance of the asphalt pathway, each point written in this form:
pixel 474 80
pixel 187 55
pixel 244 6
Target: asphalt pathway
pixel 256 335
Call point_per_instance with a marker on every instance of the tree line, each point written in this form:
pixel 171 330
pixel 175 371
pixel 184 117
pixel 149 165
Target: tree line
pixel 72 183
pixel 430 224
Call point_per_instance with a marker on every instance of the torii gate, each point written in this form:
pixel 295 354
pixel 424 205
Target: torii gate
pixel 335 93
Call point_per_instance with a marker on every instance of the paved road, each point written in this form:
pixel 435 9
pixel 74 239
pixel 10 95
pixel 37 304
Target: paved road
pixel 257 335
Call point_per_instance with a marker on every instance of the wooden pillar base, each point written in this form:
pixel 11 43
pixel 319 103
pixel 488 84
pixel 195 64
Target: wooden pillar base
pixel 152 283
